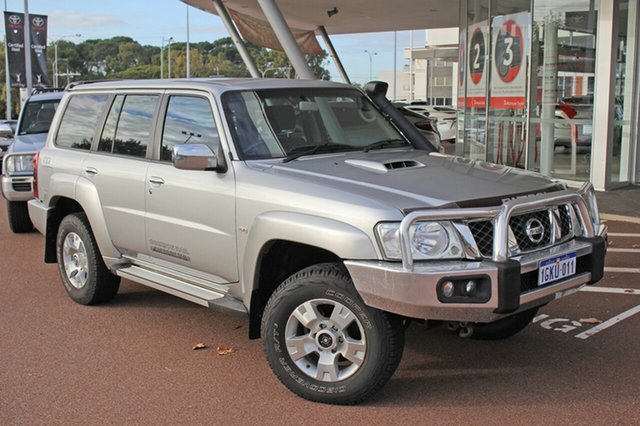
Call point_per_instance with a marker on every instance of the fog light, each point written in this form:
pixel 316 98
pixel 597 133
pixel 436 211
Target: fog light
pixel 470 288
pixel 447 289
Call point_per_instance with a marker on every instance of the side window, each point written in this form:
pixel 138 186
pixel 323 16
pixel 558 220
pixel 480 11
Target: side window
pixel 109 132
pixel 79 121
pixel 128 125
pixel 189 119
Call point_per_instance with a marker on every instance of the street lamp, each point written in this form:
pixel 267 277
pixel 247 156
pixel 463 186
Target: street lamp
pixel 55 56
pixel 371 55
pixel 169 40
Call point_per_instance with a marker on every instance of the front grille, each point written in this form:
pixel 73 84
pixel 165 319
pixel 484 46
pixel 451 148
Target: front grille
pixel 523 224
pixel 556 223
pixel 483 233
pixel 21 186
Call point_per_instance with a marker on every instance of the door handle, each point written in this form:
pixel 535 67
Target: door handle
pixel 91 171
pixel 156 180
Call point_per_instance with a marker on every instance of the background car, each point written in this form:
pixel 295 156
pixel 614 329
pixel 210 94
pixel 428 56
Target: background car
pixel 447 117
pixel 427 125
pixel 7 132
pixel 17 165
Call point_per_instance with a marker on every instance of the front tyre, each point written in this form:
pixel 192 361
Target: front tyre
pixel 84 274
pixel 324 343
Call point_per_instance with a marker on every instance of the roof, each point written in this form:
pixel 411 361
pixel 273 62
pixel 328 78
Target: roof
pixel 46 96
pixel 217 85
pixel 353 16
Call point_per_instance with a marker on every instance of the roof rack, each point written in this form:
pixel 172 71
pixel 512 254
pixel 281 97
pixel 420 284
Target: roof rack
pixel 81 82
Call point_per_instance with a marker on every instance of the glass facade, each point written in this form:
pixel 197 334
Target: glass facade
pixel 527 89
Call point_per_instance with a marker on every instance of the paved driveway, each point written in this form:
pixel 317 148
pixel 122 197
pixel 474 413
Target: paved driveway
pixel 131 361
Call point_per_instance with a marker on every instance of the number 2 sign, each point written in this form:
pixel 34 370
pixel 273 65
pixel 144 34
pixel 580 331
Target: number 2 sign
pixel 476 56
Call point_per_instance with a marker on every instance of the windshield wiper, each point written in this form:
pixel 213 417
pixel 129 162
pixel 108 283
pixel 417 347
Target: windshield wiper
pixel 325 147
pixel 383 143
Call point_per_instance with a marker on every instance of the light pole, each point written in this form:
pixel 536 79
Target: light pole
pixel 169 40
pixel 55 56
pixel 371 55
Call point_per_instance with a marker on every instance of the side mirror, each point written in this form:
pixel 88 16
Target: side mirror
pixel 194 157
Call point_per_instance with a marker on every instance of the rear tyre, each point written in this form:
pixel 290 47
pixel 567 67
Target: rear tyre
pixel 84 274
pixel 500 329
pixel 324 343
pixel 18 215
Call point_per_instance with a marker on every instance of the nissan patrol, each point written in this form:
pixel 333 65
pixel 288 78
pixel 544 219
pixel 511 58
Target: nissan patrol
pixel 313 208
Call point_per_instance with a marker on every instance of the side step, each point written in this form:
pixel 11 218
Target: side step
pixel 182 289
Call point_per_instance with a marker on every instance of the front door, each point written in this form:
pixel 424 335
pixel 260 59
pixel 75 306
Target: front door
pixel 190 215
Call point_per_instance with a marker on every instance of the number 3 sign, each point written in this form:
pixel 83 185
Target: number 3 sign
pixel 508 51
pixel 508 81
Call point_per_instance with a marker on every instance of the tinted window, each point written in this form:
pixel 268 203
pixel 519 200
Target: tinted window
pixel 132 117
pixel 109 132
pixel 37 116
pixel 79 121
pixel 188 120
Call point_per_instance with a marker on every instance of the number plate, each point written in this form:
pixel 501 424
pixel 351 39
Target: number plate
pixel 556 268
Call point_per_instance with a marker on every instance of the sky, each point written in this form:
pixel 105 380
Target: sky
pixel 148 21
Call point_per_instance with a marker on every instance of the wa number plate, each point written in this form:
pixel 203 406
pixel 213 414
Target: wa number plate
pixel 557 268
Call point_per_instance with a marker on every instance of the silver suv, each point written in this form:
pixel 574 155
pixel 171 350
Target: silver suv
pixel 311 207
pixel 17 166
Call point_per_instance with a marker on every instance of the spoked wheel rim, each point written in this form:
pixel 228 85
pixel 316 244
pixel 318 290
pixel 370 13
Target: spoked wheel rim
pixel 74 259
pixel 326 340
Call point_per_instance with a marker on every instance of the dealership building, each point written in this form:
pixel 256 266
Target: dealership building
pixel 544 85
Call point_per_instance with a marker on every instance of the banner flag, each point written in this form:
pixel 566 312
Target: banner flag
pixel 14 26
pixel 38 37
pixel 14 29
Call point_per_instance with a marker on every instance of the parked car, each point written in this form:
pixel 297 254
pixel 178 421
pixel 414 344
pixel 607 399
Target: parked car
pixel 313 208
pixel 580 109
pixel 7 131
pixel 17 165
pixel 447 117
pixel 427 125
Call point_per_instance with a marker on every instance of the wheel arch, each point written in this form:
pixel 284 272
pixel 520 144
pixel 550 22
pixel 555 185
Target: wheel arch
pixel 83 199
pixel 282 243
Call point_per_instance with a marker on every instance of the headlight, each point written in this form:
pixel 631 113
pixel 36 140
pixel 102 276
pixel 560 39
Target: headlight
pixel 19 163
pixel 429 240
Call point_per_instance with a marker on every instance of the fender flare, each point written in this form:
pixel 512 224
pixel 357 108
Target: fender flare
pixel 82 191
pixel 344 240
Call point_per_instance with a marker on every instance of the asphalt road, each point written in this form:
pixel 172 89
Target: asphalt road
pixel 132 362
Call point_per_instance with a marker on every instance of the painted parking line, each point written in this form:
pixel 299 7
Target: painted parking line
pixel 625 270
pixel 622 234
pixel 611 290
pixel 609 323
pixel 623 250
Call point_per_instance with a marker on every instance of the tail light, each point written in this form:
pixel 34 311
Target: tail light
pixel 36 193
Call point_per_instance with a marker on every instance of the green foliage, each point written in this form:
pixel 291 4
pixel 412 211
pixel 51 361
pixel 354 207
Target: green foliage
pixel 124 58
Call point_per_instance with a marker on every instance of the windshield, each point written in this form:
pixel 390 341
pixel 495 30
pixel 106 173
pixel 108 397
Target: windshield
pixel 289 123
pixel 37 116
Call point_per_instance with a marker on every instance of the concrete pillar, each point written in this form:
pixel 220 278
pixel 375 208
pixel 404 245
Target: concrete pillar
pixel 549 88
pixel 237 41
pixel 334 54
pixel 286 39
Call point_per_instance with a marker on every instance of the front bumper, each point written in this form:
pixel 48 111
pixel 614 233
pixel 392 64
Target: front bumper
pixel 388 286
pixel 508 282
pixel 17 188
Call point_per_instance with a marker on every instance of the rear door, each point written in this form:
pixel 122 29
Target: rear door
pixel 118 167
pixel 190 219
